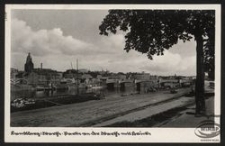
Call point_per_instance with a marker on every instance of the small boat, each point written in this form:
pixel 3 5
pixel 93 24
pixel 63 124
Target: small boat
pixel 173 91
pixel 97 87
pixel 22 102
pixel 40 88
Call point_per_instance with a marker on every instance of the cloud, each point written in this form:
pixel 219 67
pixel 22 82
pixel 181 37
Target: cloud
pixel 171 63
pixel 47 42
pixel 55 50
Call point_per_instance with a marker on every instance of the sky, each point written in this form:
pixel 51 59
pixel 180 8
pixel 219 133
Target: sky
pixel 57 38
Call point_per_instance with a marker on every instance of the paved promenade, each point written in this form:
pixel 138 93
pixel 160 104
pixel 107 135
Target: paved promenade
pixel 92 113
pixel 188 119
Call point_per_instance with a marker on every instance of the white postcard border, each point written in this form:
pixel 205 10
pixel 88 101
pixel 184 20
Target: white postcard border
pixel 157 134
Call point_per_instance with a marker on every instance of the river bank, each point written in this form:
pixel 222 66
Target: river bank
pixel 92 112
pixel 20 104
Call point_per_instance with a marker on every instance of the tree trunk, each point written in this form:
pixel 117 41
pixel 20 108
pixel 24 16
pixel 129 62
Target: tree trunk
pixel 199 86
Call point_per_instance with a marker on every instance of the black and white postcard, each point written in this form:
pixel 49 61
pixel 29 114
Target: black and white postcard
pixel 112 73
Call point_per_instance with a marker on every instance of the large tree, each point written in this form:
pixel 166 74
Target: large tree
pixel 152 31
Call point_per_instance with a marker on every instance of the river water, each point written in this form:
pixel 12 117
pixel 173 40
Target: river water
pixel 108 93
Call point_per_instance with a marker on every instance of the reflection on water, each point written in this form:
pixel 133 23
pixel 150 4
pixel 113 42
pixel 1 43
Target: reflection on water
pixel 109 93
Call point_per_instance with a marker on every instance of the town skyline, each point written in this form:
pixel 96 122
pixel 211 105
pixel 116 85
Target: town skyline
pixel 86 71
pixel 57 41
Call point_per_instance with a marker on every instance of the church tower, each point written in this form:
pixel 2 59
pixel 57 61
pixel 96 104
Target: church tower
pixel 29 66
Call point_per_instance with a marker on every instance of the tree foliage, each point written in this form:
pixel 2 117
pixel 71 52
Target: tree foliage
pixel 152 31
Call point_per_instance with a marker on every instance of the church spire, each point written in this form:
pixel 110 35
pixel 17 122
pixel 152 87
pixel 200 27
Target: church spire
pixel 29 59
pixel 29 66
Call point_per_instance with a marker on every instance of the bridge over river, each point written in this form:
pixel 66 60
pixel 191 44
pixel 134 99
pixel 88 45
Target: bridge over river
pixel 140 85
